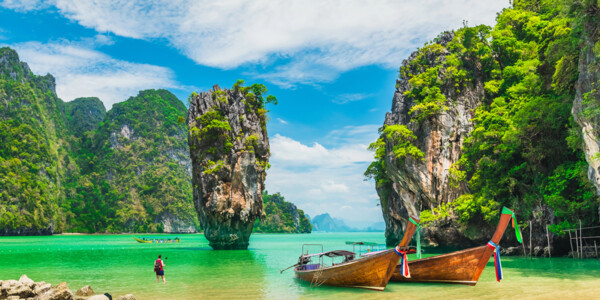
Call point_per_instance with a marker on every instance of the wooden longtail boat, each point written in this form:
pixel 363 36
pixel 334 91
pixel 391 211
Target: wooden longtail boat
pixel 149 240
pixel 460 267
pixel 371 271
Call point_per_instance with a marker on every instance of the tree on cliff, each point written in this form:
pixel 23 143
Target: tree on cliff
pixel 522 148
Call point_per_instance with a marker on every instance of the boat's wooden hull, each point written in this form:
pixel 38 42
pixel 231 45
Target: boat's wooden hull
pixel 460 267
pixel 371 272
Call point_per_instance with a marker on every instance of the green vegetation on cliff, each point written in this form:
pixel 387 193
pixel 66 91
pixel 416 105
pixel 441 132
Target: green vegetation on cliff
pixel 84 114
pixel 138 176
pixel 32 158
pixel 401 138
pixel 525 150
pixel 281 216
pixel 73 167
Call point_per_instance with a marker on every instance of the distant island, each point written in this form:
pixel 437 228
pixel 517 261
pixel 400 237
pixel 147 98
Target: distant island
pixel 282 216
pixel 325 222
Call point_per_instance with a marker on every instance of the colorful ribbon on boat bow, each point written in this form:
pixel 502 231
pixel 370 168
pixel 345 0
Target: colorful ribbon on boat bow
pixel 418 237
pixel 403 262
pixel 497 263
pixel 515 225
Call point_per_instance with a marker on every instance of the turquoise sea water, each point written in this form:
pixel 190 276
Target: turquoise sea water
pixel 118 265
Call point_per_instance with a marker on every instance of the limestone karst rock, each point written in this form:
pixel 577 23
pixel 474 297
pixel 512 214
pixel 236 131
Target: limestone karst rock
pixel 415 182
pixel 229 149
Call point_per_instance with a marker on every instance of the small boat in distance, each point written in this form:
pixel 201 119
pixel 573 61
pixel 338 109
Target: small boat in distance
pixel 370 271
pixel 460 267
pixel 153 240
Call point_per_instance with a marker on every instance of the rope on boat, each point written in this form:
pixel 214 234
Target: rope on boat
pixel 418 237
pixel 316 281
pixel 497 263
pixel 403 262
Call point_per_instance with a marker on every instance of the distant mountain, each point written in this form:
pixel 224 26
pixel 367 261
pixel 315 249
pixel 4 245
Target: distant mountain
pixel 324 222
pixel 376 227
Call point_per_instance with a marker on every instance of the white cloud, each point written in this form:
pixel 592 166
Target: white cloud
pixel 294 153
pixel 282 121
pixel 362 135
pixel 347 98
pixel 81 71
pixel 319 179
pixel 25 5
pixel 315 40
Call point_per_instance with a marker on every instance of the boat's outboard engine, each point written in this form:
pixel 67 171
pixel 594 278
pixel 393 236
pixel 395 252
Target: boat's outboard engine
pixel 303 260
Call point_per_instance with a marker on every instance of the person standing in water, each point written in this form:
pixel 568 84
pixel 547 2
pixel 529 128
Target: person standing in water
pixel 158 269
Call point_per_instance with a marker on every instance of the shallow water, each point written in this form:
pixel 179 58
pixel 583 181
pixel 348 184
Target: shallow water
pixel 119 265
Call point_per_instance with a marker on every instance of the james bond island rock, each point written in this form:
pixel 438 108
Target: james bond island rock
pixel 481 119
pixel 229 148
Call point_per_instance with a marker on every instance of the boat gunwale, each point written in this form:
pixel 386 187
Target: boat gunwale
pixel 458 252
pixel 358 260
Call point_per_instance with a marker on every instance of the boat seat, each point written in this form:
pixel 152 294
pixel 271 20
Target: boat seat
pixel 311 267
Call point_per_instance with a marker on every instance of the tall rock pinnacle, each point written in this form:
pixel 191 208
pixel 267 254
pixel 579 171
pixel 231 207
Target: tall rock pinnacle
pixel 229 149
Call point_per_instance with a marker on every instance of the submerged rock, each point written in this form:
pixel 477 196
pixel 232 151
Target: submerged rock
pixel 229 149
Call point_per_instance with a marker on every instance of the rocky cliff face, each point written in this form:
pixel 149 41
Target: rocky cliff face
pixel 417 184
pixel 229 149
pixel 33 155
pixel 587 97
pixel 141 153
pixel 74 167
pixel 482 119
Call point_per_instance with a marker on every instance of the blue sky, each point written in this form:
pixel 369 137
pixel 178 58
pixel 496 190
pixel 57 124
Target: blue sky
pixel 331 64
